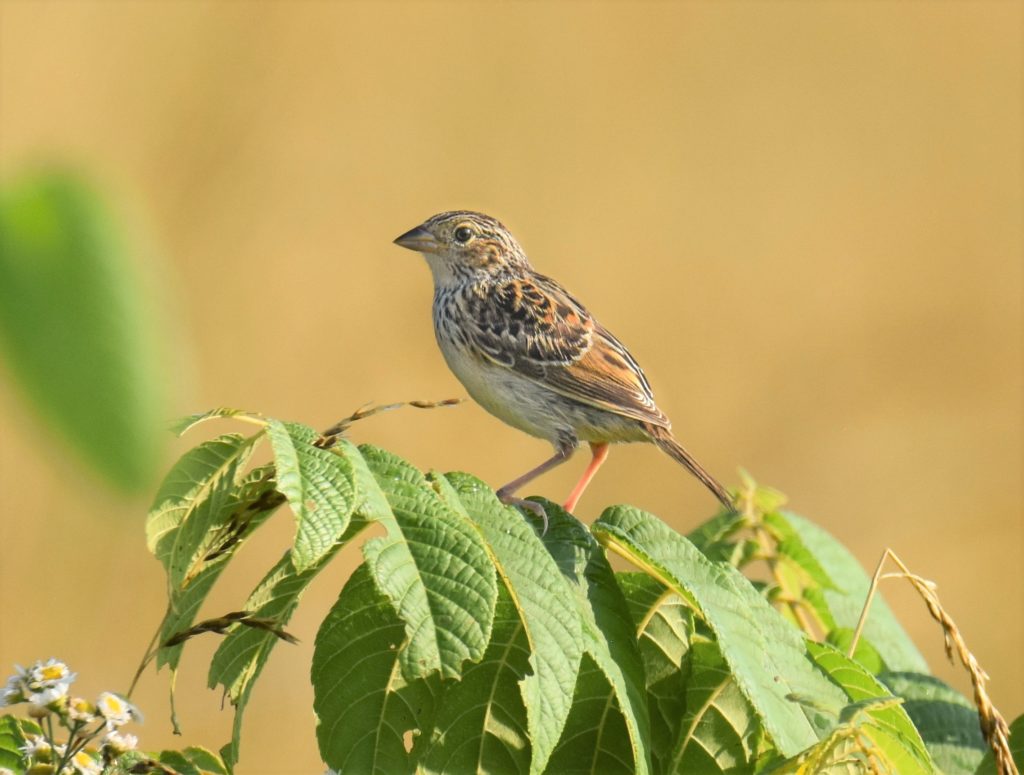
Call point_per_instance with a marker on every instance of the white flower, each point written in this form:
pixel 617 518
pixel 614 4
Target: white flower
pixel 14 691
pixel 120 743
pixel 5 771
pixel 48 696
pixel 36 747
pixel 45 682
pixel 84 764
pixel 80 709
pixel 116 710
pixel 51 673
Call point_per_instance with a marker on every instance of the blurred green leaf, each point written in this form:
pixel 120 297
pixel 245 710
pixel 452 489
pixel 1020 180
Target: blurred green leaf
pixel 76 327
pixel 988 764
pixel 846 600
pixel 10 740
pixel 948 721
pixel 866 654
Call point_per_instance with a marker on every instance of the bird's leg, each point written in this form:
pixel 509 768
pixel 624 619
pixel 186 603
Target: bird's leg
pixel 600 452
pixel 507 493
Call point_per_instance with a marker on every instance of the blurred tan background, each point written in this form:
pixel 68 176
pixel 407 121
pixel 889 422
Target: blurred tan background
pixel 803 218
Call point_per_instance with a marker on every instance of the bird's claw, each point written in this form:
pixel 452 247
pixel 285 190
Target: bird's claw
pixel 532 506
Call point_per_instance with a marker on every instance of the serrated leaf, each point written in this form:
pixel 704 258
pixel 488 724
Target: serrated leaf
pixel 988 764
pixel 481 720
pixel 595 740
pixel 663 624
pixel 716 536
pixel 434 568
pixel 319 484
pixel 253 501
pixel 947 721
pixel 545 603
pixel 77 328
pixel 194 479
pixel 865 654
pixel 241 656
pixel 177 762
pixel 791 546
pixel 183 425
pixel 847 599
pixel 718 733
pixel 11 739
pixel 593 728
pixel 890 727
pixel 766 655
pixel 204 760
pixel 365 708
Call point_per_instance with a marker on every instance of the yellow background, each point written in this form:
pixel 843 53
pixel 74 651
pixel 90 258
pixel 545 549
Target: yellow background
pixel 803 218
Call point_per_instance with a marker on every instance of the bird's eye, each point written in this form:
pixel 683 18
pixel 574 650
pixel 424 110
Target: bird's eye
pixel 463 234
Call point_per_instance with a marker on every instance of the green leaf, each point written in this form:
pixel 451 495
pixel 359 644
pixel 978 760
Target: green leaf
pixel 205 508
pixel 189 761
pixel 719 729
pixel 890 728
pixel 790 546
pixel 546 605
pixel 595 740
pixel 11 739
pixel 178 762
pixel 663 624
pixel 206 518
pixel 866 654
pixel 319 485
pixel 988 764
pixel 435 569
pixel 766 655
pixel 253 501
pixel 593 730
pixel 365 708
pixel 716 537
pixel 183 425
pixel 204 760
pixel 852 748
pixel 481 720
pixel 847 599
pixel 76 327
pixel 203 474
pixel 240 658
pixel 947 721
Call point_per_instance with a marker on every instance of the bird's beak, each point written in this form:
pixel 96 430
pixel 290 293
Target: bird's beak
pixel 420 240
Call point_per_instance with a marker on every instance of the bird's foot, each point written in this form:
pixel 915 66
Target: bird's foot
pixel 532 506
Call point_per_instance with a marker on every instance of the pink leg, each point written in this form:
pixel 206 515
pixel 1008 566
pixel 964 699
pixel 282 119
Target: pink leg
pixel 600 452
pixel 506 493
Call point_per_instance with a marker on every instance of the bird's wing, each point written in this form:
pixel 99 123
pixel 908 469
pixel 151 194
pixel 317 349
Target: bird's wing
pixel 535 327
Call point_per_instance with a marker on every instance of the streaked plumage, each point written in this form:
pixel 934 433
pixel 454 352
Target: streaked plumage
pixel 531 354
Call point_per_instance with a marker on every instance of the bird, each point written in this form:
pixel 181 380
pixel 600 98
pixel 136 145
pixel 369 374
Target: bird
pixel 533 356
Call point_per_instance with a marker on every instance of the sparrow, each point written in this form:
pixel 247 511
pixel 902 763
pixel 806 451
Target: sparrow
pixel 533 356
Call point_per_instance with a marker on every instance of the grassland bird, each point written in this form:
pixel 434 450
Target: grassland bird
pixel 532 355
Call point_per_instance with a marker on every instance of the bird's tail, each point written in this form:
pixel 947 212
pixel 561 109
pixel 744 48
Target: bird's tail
pixel 666 441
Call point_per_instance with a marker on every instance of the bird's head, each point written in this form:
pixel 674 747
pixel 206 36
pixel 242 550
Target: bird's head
pixel 461 245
